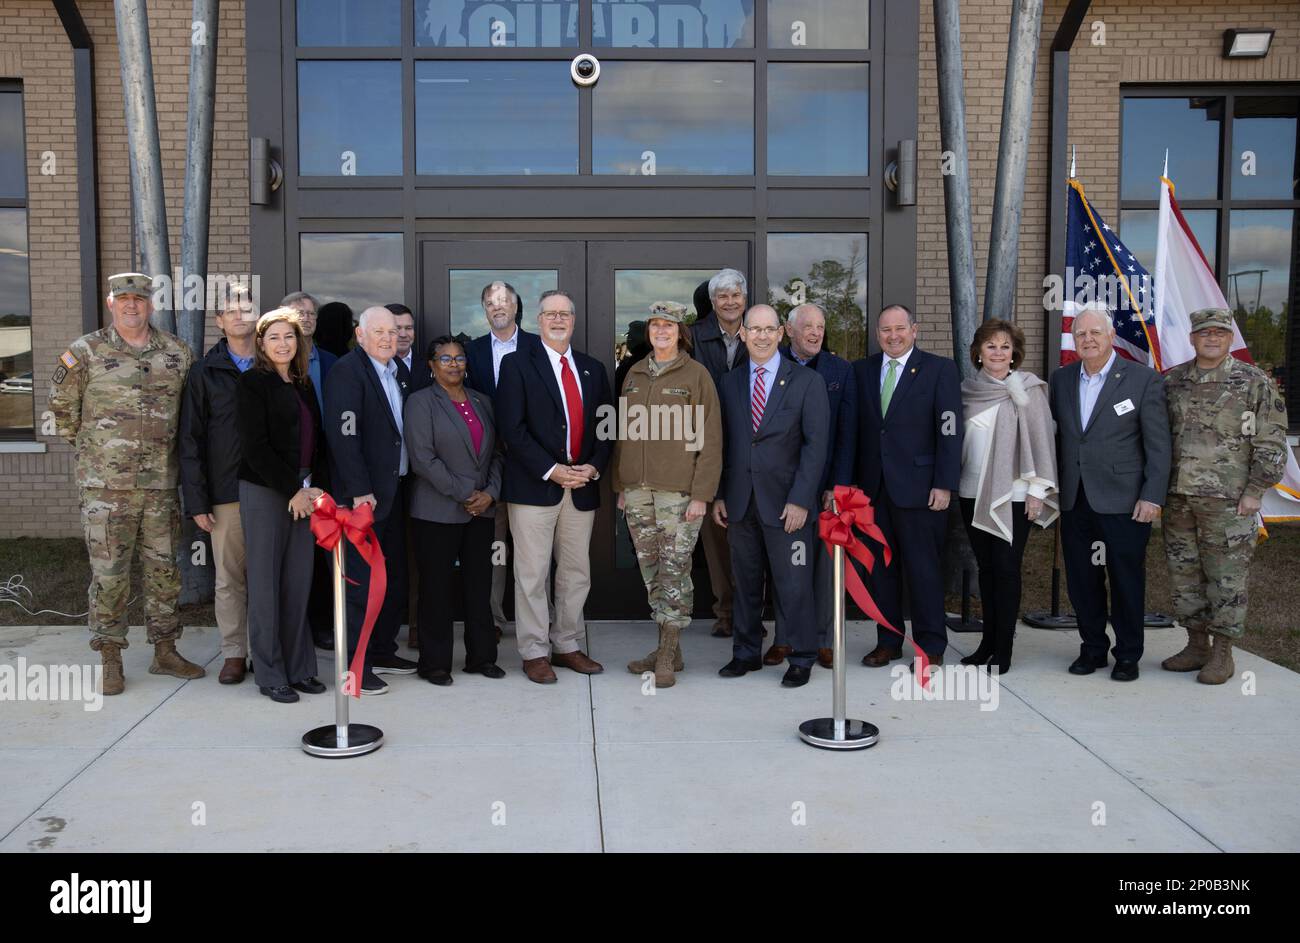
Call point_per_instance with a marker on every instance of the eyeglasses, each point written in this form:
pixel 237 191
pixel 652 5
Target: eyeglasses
pixel 762 331
pixel 557 315
pixel 447 360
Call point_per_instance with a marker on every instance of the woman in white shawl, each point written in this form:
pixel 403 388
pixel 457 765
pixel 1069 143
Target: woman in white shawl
pixel 1008 477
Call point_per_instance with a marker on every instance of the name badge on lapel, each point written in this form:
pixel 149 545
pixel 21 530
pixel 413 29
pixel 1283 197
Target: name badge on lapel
pixel 1124 407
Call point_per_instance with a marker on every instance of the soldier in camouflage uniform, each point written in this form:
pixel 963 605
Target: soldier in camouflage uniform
pixel 116 395
pixel 666 471
pixel 1228 422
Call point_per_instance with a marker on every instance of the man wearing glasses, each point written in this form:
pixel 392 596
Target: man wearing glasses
pixel 549 400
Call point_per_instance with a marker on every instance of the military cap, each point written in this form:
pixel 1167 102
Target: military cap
pixel 130 283
pixel 669 311
pixel 1211 317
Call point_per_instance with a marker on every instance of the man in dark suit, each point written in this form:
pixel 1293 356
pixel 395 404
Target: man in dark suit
pixel 363 425
pixel 775 430
pixel 1113 455
pixel 412 371
pixel 501 307
pixel 320 605
pixel 806 329
pixel 909 463
pixel 720 348
pixel 550 399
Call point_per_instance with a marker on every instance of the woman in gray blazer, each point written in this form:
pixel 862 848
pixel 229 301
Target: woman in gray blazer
pixel 455 459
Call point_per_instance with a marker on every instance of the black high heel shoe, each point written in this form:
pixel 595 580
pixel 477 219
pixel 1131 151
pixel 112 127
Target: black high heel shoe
pixel 981 655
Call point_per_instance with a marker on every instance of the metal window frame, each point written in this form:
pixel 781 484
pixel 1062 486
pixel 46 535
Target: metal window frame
pixel 15 87
pixel 556 205
pixel 1229 92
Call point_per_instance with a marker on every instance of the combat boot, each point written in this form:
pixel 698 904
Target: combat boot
pixel 114 680
pixel 168 661
pixel 1220 669
pixel 641 665
pixel 1195 655
pixel 666 657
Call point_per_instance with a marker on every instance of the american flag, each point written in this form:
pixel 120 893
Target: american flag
pixel 1099 267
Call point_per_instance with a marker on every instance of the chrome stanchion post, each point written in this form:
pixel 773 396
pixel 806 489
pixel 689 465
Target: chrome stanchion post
pixel 837 732
pixel 342 738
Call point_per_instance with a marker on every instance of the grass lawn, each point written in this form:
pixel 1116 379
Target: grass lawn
pixel 57 573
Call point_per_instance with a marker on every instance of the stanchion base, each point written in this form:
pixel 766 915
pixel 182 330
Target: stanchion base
pixel 1042 619
pixel 858 734
pixel 956 624
pixel 323 741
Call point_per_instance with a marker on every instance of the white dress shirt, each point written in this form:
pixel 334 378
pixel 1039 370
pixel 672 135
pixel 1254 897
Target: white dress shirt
pixel 898 372
pixel 564 399
pixel 499 349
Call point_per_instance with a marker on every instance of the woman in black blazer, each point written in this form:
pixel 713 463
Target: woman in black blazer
pixel 456 468
pixel 281 473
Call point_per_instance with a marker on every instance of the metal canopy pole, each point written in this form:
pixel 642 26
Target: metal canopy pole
pixel 198 166
pixel 147 194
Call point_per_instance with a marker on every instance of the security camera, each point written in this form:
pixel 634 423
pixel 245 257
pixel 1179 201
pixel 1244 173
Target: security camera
pixel 584 70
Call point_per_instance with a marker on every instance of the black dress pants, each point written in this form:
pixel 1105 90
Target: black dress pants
pixel 916 537
pixel 391 533
pixel 1101 548
pixel 438 546
pixel 999 569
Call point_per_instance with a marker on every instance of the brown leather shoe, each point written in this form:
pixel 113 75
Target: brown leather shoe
pixel 722 628
pixel 777 654
pixel 826 657
pixel 935 662
pixel 577 661
pixel 880 656
pixel 232 671
pixel 538 670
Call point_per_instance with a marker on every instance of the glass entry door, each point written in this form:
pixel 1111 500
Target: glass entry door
pixel 613 285
pixel 623 280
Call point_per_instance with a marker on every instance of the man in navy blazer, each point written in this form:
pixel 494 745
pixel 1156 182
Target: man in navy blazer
pixel 412 370
pixel 363 425
pixel 1113 454
pixel 775 432
pixel 806 328
pixel 909 464
pixel 501 307
pixel 550 400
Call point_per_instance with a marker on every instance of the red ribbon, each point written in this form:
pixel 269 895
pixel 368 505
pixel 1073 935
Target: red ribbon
pixel 331 523
pixel 835 528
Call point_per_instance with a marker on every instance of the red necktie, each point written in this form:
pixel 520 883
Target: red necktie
pixel 759 401
pixel 573 398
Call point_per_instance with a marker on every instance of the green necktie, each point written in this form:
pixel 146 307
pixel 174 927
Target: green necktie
pixel 887 392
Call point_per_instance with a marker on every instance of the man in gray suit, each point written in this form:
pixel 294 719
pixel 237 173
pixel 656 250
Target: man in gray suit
pixel 1113 453
pixel 776 431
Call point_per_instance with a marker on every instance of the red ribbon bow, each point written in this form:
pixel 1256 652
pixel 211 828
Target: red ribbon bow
pixel 331 523
pixel 835 528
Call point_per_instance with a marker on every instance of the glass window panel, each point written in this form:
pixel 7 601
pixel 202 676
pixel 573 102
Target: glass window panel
pixel 1189 128
pixel 673 118
pixel 1137 229
pixel 829 269
pixel 817 24
pixel 349 22
pixel 16 410
pixel 674 24
pixel 495 118
pixel 1264 141
pixel 13 165
pixel 360 269
pixel 349 118
pixel 817 119
pixel 468 319
pixel 1260 282
pixel 483 24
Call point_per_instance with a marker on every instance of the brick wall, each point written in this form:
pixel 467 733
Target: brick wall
pixel 1147 42
pixel 38 496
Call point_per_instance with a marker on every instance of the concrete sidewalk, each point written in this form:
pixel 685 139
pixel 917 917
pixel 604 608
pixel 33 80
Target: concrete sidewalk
pixel 1062 763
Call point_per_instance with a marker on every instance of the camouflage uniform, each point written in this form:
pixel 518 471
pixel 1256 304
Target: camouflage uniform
pixel 1229 441
pixel 664 545
pixel 119 407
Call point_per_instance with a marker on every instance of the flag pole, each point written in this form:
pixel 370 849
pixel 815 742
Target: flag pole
pixel 1165 174
pixel 1072 149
